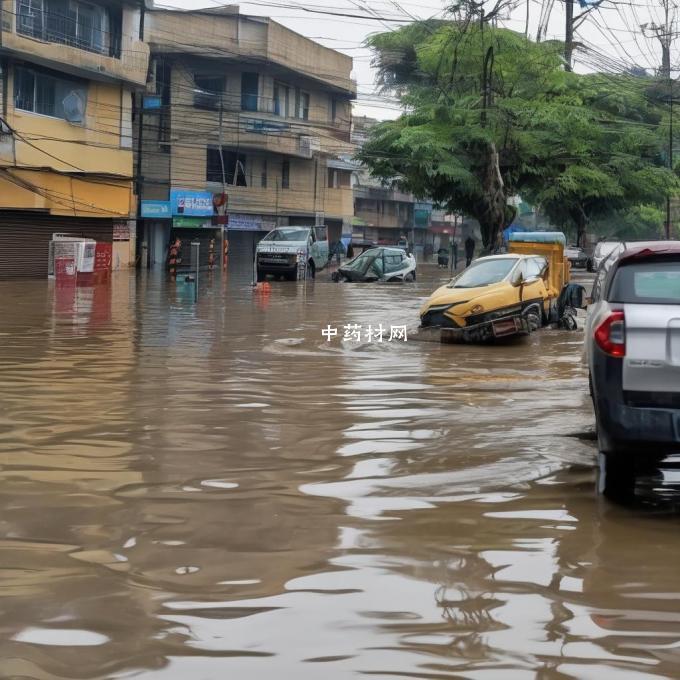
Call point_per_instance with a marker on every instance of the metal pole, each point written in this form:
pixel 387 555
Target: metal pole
pixel 197 246
pixel 569 35
pixel 670 157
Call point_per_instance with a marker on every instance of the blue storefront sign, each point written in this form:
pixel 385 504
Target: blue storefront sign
pixel 191 203
pixel 157 209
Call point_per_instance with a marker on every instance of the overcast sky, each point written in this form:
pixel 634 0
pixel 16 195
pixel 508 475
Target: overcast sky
pixel 611 33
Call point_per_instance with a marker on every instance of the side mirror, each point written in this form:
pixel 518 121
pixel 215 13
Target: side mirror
pixel 518 280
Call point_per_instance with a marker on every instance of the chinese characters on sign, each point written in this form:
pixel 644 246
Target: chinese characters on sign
pixel 354 332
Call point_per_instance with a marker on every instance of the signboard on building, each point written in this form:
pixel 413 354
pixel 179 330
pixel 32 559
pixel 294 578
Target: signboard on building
pixel 192 222
pixel 264 126
pixel 191 203
pixel 157 209
pixel 121 231
pixel 239 222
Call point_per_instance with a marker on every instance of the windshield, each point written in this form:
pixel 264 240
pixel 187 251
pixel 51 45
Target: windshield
pixel 484 273
pixel 359 264
pixel 300 234
pixel 656 283
pixel 605 247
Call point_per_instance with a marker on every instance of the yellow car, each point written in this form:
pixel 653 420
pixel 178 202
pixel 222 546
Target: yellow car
pixel 500 295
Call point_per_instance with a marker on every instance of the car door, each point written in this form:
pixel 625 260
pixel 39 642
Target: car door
pixel 320 246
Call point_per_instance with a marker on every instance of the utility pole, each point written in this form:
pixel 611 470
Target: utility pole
pixel 664 34
pixel 569 34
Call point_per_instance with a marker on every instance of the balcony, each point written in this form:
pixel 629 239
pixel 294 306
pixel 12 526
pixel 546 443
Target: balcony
pixel 84 46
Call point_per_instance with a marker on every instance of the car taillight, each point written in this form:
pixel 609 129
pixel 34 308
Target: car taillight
pixel 610 335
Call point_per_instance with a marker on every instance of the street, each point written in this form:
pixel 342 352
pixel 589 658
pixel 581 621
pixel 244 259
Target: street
pixel 216 489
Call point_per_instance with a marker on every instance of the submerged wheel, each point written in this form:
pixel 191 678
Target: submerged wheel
pixel 616 476
pixel 534 317
pixel 261 276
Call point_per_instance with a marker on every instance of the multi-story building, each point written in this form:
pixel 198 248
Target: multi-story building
pixel 242 106
pixel 67 72
pixel 382 213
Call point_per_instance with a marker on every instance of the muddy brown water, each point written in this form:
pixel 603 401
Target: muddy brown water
pixel 213 490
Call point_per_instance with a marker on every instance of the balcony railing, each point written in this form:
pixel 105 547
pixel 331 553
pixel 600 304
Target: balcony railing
pixel 81 32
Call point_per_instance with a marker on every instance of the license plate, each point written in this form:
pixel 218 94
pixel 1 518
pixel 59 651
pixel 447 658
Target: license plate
pixel 504 327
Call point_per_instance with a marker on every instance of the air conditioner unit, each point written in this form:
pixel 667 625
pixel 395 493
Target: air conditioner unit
pixel 308 145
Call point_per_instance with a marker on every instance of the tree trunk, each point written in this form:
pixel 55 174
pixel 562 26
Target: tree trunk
pixel 490 210
pixel 581 220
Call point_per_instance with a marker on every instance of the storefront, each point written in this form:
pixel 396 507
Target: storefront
pixel 25 236
pixel 244 233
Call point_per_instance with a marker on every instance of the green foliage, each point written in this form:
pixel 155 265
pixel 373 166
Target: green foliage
pixel 580 146
pixel 640 222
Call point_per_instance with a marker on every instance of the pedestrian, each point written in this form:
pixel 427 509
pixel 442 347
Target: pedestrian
pixel 350 250
pixel 442 258
pixel 469 250
pixel 339 250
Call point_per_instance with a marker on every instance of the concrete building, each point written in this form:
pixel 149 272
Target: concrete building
pixel 67 73
pixel 242 106
pixel 384 214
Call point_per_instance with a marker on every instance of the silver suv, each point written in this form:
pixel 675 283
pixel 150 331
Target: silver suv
pixel 633 353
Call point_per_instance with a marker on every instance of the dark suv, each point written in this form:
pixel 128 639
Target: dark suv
pixel 633 352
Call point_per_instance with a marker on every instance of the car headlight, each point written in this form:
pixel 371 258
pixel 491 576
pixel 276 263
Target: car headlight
pixel 477 309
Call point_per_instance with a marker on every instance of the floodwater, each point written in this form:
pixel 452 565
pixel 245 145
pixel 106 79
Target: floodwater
pixel 214 490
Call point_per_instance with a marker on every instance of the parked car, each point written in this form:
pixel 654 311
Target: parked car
pixel 576 256
pixel 501 295
pixel 378 264
pixel 602 250
pixel 633 355
pixel 289 251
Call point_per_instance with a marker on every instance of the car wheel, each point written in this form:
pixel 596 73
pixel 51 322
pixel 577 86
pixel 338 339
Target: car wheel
pixel 533 316
pixel 616 476
pixel 261 276
pixel 290 276
pixel 412 276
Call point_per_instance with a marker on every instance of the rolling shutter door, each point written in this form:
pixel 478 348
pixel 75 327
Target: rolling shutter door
pixel 25 237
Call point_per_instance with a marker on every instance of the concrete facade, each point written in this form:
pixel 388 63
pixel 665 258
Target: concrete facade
pixel 277 104
pixel 66 120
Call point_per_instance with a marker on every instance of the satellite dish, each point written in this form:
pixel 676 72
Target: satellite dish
pixel 74 107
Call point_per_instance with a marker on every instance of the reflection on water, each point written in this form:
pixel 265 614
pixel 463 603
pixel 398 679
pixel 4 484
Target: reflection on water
pixel 211 490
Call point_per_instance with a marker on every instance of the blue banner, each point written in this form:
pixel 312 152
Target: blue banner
pixel 158 209
pixel 191 203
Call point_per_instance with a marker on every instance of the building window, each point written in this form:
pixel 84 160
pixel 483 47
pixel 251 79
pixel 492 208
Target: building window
pixel 263 177
pixel 333 109
pixel 50 95
pixel 250 84
pixel 208 91
pixel 229 168
pixel 302 104
pixel 332 178
pixel 281 100
pixel 285 174
pixel 70 22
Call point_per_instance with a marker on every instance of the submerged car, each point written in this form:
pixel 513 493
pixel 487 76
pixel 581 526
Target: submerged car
pixel 632 348
pixel 603 249
pixel 378 264
pixel 291 252
pixel 501 295
pixel 576 256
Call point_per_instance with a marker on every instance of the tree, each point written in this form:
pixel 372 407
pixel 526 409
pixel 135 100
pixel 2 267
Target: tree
pixel 613 161
pixel 490 113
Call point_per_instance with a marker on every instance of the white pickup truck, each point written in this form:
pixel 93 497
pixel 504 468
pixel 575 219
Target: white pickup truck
pixel 292 252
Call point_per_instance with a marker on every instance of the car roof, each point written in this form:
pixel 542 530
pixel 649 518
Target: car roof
pixel 509 256
pixel 644 249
